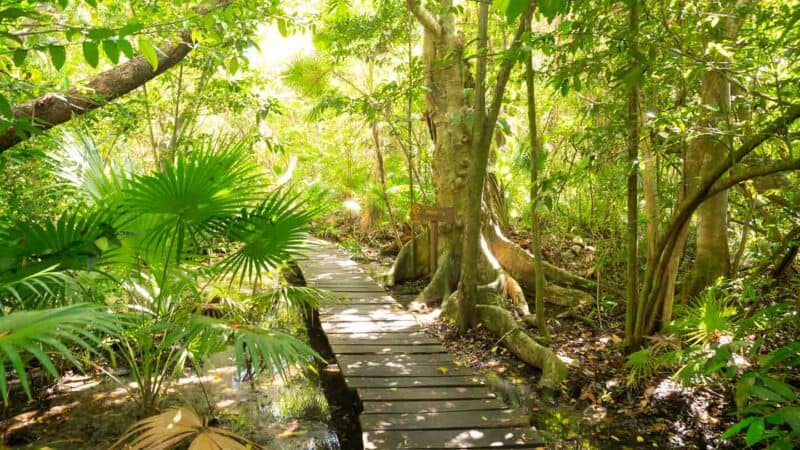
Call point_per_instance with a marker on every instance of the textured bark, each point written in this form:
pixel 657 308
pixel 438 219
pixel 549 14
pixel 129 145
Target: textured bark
pixel 53 109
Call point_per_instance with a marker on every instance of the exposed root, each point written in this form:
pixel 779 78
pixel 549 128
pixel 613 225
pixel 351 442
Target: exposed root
pixel 413 260
pixel 518 262
pixel 443 282
pixel 502 324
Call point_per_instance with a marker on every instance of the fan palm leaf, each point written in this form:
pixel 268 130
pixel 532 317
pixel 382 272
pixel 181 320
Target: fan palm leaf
pixel 268 350
pixel 192 198
pixel 37 333
pixel 270 234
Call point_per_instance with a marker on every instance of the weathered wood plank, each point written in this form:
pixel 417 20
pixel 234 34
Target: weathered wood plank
pixel 415 338
pixel 404 371
pixel 397 359
pixel 370 349
pixel 425 393
pixel 446 420
pixel 359 308
pixel 370 327
pixel 518 437
pixel 426 406
pixel 372 316
pixel 406 382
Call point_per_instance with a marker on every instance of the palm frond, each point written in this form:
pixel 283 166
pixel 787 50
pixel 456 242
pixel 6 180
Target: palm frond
pixel 298 298
pixel 26 334
pixel 192 198
pixel 309 75
pixel 34 289
pixel 173 427
pixel 82 169
pixel 270 234
pixel 265 350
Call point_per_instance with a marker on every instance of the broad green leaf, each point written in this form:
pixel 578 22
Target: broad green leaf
pixel 5 107
pixel 58 55
pixel 755 433
pixel 126 47
pixel 783 389
pixel 100 33
pixel 737 427
pixel 111 50
pixel 765 394
pixel 19 56
pixel 148 52
pixel 130 28
pixel 90 53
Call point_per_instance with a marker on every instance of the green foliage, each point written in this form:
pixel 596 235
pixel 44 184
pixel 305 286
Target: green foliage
pixel 709 318
pixel 768 403
pixel 34 335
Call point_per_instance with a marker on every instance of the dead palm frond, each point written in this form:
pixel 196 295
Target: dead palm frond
pixel 174 427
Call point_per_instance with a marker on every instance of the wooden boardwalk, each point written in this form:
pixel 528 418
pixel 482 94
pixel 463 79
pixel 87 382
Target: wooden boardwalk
pixel 413 393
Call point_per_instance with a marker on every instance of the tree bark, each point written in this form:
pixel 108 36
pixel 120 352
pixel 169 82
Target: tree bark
pixel 633 315
pixel 536 232
pixel 53 109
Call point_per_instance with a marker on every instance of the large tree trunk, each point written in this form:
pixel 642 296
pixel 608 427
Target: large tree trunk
pixel 713 254
pixel 53 109
pixel 445 102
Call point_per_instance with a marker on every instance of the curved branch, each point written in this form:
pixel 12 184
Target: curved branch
pixel 424 17
pixel 53 109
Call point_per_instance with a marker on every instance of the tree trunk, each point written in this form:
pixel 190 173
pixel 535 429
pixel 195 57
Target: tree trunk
pixel 536 232
pixel 713 254
pixel 445 103
pixel 53 109
pixel 382 178
pixel 632 315
pixel 466 315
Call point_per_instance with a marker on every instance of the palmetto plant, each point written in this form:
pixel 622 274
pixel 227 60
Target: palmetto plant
pixel 163 239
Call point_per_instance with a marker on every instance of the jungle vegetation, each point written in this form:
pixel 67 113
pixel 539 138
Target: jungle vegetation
pixel 635 162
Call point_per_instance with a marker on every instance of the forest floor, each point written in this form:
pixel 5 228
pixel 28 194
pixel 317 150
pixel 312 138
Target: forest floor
pixel 601 405
pixel 92 412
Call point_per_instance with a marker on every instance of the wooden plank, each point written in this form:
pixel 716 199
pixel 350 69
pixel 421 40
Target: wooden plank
pixel 397 359
pixel 369 349
pixel 361 308
pixel 425 406
pixel 405 382
pixel 376 315
pixel 425 393
pixel 370 327
pixel 351 291
pixel 405 371
pixel 365 297
pixel 446 420
pixel 415 338
pixel 517 437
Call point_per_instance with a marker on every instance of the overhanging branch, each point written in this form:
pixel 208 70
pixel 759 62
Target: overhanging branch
pixel 424 17
pixel 53 109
